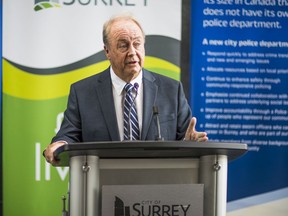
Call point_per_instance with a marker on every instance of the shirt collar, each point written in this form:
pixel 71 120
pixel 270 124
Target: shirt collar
pixel 119 84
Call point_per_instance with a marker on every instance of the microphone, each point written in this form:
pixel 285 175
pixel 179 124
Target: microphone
pixel 157 122
pixel 136 87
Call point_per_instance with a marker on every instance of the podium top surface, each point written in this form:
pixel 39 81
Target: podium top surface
pixel 149 149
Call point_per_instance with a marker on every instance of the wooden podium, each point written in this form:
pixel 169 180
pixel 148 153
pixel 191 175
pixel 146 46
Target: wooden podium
pixel 147 162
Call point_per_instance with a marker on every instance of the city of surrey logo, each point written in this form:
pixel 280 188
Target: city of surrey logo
pixel 45 4
pixel 150 208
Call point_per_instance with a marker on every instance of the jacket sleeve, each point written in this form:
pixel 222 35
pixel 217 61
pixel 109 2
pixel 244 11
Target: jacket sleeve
pixel 184 114
pixel 70 130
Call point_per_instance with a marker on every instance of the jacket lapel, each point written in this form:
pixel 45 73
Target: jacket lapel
pixel 105 95
pixel 149 97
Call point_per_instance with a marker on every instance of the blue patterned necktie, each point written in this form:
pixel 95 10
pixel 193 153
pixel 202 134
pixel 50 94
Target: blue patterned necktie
pixel 131 126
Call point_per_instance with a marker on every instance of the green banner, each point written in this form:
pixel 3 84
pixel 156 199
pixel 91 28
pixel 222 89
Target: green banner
pixel 33 108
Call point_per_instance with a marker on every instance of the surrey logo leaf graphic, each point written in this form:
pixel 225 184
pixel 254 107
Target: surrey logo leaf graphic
pixel 45 4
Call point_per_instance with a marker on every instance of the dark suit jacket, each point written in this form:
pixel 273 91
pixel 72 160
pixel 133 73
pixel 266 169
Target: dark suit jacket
pixel 90 114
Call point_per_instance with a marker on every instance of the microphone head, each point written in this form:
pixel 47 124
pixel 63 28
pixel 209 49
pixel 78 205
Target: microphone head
pixel 155 110
pixel 136 86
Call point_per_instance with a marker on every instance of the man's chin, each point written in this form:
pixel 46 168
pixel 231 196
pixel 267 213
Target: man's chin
pixel 133 75
pixel 134 70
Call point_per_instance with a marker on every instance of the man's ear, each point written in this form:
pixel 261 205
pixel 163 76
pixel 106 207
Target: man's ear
pixel 106 49
pixel 106 52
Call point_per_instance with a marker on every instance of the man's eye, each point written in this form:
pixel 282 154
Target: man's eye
pixel 122 46
pixel 137 45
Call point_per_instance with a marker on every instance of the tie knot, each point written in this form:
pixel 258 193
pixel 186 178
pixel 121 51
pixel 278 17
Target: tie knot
pixel 128 87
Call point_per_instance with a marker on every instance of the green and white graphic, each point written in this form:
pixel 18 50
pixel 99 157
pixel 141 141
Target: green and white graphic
pixel 43 54
pixel 44 4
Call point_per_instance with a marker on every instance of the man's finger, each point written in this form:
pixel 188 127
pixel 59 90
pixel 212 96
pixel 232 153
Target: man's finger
pixel 202 137
pixel 193 123
pixel 191 129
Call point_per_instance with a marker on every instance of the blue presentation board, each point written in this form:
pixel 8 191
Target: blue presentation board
pixel 239 86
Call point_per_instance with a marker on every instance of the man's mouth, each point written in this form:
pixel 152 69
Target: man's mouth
pixel 132 62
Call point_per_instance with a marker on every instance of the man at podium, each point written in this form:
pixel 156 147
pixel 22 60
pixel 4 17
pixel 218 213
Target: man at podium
pixel 125 101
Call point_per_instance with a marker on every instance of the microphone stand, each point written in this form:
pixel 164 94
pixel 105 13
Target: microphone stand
pixel 156 115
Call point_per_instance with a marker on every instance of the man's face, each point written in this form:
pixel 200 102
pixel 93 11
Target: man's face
pixel 126 50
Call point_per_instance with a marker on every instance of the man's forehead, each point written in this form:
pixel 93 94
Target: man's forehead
pixel 130 37
pixel 127 34
pixel 125 25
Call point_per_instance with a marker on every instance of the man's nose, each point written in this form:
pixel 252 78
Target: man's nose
pixel 131 51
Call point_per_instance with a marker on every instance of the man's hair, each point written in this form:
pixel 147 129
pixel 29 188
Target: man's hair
pixel 107 26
